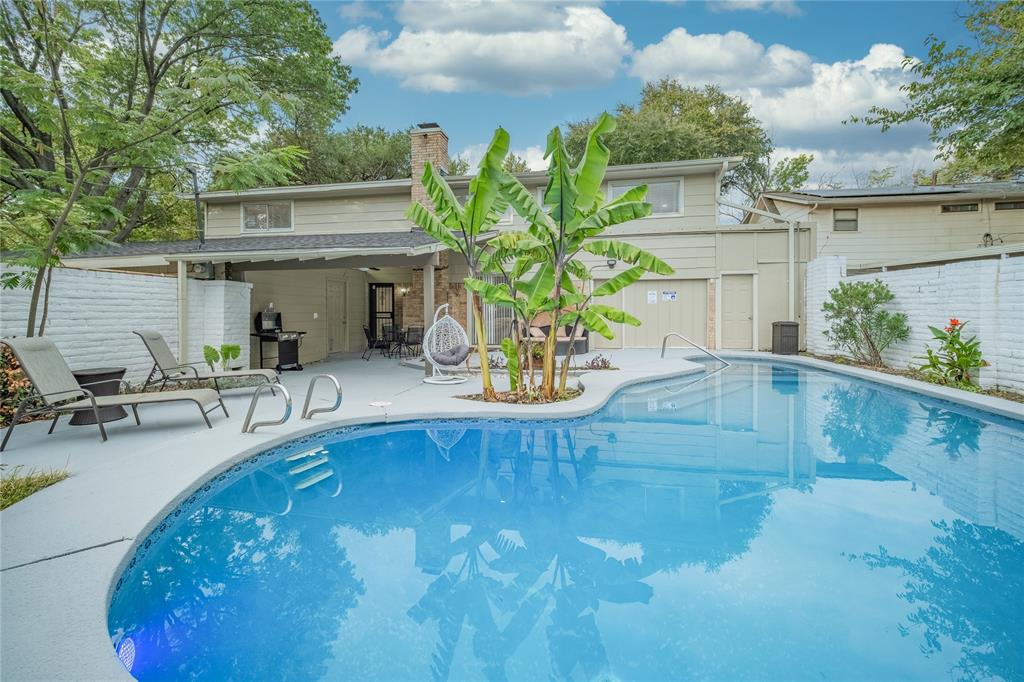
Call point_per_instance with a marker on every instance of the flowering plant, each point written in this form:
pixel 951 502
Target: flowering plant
pixel 956 357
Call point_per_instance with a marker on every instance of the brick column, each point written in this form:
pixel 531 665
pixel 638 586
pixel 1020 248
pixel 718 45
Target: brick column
pixel 428 143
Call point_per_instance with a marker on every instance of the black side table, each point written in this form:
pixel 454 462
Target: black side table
pixel 101 381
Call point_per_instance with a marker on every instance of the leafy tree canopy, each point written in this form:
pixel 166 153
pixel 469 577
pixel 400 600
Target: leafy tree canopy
pixel 674 122
pixel 121 93
pixel 103 99
pixel 358 154
pixel 971 97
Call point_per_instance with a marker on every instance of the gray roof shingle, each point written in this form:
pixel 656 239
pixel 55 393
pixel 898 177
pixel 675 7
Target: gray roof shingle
pixel 354 240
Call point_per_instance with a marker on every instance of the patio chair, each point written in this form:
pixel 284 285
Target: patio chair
pixel 55 386
pixel 413 340
pixel 445 346
pixel 372 343
pixel 166 367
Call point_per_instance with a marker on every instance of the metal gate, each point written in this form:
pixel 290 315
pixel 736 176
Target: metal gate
pixel 382 309
pixel 497 318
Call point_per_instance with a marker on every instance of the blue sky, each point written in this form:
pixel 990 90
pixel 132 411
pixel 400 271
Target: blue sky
pixel 471 65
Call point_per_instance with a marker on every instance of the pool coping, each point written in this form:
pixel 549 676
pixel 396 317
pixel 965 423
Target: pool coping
pixel 599 387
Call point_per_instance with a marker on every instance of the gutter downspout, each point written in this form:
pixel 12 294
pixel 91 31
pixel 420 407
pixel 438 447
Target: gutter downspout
pixel 183 312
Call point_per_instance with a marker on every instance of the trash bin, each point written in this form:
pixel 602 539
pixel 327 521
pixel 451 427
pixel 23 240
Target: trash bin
pixel 785 338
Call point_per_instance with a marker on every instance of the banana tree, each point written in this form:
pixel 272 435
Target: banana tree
pixel 459 227
pixel 567 222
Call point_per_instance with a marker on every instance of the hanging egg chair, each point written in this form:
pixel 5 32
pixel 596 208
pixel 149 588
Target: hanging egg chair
pixel 445 347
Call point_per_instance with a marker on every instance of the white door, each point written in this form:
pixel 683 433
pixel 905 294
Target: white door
pixel 738 311
pixel 662 306
pixel 337 316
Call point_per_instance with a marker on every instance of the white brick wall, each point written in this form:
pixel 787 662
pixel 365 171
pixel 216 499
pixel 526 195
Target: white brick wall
pixel 988 294
pixel 93 313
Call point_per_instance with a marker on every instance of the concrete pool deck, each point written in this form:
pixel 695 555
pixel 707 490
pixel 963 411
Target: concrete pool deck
pixel 63 547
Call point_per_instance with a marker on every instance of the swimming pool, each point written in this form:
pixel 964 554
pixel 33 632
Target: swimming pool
pixel 769 522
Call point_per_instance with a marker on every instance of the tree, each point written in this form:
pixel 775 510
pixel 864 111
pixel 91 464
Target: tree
pixel 459 226
pixel 858 323
pixel 515 164
pixel 674 122
pixel 102 99
pixel 358 154
pixel 458 165
pixel 565 223
pixel 971 98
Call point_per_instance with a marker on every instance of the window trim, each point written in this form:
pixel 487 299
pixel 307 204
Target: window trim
pixel 1006 205
pixel 856 221
pixel 680 207
pixel 975 204
pixel 269 230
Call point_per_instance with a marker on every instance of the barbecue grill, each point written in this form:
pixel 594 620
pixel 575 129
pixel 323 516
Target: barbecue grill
pixel 269 330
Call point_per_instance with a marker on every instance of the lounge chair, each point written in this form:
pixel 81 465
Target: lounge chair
pixel 56 387
pixel 167 368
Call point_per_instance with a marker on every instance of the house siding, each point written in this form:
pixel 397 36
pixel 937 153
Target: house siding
pixel 321 216
pixel 894 232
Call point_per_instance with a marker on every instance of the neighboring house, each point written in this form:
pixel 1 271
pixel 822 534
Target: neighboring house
pixel 333 258
pixel 876 226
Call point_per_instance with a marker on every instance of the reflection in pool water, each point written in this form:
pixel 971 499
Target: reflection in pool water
pixel 767 523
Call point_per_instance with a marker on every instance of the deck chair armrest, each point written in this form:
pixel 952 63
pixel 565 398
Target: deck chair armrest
pixel 121 384
pixel 186 366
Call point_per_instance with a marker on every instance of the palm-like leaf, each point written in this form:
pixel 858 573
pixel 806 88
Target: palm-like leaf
pixel 620 281
pixel 595 323
pixel 561 192
pixel 615 314
pixel 433 226
pixel 490 292
pixel 627 253
pixel 590 173
pixel 614 214
pixel 523 201
pixel 446 206
pixel 483 188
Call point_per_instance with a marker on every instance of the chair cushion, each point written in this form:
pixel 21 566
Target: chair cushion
pixel 203 396
pixel 452 356
pixel 537 333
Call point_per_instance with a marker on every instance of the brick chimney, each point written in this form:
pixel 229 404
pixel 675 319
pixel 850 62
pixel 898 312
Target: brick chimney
pixel 429 143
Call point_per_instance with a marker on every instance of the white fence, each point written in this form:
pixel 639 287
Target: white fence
pixel 988 294
pixel 93 313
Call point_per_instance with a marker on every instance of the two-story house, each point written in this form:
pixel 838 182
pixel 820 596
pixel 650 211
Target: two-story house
pixel 876 226
pixel 336 258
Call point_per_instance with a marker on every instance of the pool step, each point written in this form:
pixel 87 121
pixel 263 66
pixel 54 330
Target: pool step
pixel 314 479
pixel 318 450
pixel 307 465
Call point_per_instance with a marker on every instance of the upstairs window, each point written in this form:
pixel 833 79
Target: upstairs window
pixel 959 208
pixel 664 197
pixel 1009 205
pixel 845 219
pixel 267 216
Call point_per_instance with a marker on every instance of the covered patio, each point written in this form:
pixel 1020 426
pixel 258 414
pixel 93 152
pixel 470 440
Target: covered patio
pixel 329 286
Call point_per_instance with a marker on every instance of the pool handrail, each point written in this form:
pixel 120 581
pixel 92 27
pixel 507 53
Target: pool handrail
pixel 247 427
pixel 664 343
pixel 307 412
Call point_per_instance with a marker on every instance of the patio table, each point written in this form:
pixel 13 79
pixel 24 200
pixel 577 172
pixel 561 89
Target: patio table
pixel 101 381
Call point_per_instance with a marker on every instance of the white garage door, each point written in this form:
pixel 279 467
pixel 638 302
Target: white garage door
pixel 663 306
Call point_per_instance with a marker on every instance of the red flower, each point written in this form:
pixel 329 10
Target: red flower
pixel 953 322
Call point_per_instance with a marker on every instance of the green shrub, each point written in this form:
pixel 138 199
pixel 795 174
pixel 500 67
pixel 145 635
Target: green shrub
pixel 956 358
pixel 859 325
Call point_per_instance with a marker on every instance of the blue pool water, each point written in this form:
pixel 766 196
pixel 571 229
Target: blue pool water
pixel 768 523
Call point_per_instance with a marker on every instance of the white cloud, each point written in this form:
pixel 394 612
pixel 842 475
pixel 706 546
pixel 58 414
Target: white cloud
pixel 850 167
pixel 540 49
pixel 354 11
pixel 802 103
pixel 787 7
pixel 733 60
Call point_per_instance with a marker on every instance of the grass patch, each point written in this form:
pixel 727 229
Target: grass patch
pixel 16 486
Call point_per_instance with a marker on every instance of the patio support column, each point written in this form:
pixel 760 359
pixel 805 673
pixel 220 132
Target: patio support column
pixel 428 300
pixel 183 312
